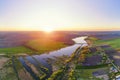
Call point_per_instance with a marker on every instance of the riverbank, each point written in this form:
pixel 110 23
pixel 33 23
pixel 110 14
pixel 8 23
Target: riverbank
pixel 35 60
pixel 37 46
pixel 44 45
pixel 34 42
pixel 32 48
pixel 40 46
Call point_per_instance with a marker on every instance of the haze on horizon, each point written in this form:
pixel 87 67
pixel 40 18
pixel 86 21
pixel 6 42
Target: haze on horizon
pixel 60 15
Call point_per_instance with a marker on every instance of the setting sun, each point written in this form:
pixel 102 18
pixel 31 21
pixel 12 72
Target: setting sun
pixel 48 29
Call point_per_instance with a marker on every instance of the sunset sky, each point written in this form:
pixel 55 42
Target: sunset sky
pixel 83 15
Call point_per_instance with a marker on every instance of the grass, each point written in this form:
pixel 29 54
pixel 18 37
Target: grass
pixel 44 45
pixel 91 67
pixel 14 50
pixel 114 43
pixel 92 38
pixel 7 72
pixel 38 45
pixel 87 73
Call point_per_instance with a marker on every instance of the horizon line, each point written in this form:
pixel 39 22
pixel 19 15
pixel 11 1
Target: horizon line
pixel 58 30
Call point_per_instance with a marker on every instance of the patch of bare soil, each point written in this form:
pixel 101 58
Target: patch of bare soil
pixel 3 60
pixel 89 42
pixel 24 75
pixel 34 69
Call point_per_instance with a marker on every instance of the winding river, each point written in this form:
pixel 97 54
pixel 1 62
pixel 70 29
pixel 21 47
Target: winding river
pixel 35 59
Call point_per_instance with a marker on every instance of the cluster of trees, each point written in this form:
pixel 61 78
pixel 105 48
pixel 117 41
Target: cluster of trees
pixel 85 50
pixel 71 75
pixel 69 71
pixel 56 75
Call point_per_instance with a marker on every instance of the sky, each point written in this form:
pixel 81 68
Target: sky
pixel 82 15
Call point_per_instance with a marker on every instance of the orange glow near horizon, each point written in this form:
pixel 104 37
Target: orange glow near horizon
pixel 51 29
pixel 48 29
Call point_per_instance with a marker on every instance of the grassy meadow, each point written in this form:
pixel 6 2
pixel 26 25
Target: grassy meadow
pixel 14 50
pixel 114 43
pixel 88 73
pixel 34 42
pixel 43 45
pixel 38 45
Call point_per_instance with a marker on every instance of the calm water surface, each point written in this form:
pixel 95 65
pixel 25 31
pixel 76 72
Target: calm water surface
pixel 63 51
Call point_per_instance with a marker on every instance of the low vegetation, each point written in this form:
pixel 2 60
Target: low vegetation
pixel 7 72
pixel 114 43
pixel 65 67
pixel 87 74
pixel 43 45
pixel 14 50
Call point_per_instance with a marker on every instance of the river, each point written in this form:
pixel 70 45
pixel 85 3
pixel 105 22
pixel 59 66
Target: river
pixel 63 51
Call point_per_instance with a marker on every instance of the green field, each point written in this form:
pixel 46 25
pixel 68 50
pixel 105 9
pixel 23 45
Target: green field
pixel 86 74
pixel 13 50
pixel 43 45
pixel 114 43
pixel 39 45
